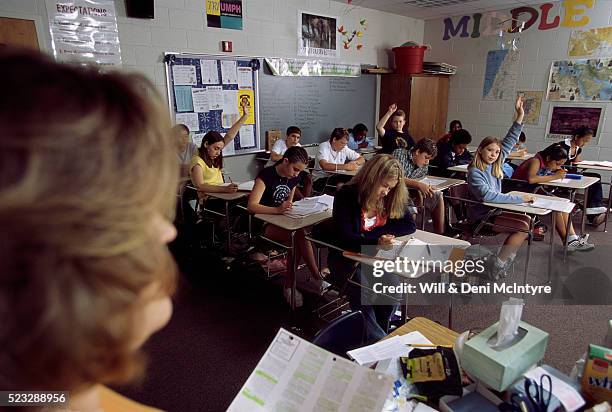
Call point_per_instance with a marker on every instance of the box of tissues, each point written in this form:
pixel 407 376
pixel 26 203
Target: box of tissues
pixel 499 366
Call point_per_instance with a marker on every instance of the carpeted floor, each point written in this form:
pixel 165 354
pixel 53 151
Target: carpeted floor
pixel 224 320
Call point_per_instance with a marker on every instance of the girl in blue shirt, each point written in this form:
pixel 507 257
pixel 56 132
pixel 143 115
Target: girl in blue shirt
pixel 484 183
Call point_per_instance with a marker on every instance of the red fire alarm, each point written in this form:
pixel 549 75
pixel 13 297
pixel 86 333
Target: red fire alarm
pixel 226 46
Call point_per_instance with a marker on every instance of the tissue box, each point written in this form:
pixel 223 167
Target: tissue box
pixel 498 368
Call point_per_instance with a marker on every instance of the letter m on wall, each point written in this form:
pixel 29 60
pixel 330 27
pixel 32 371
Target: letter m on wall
pixel 450 31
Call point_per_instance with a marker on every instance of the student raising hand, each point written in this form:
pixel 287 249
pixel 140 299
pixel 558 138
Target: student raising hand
pixel 519 109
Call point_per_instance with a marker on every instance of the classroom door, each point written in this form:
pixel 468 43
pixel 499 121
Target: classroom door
pixel 428 106
pixel 18 32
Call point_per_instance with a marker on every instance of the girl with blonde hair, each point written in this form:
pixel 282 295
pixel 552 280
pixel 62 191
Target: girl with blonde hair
pixel 484 183
pixel 372 209
pixel 88 177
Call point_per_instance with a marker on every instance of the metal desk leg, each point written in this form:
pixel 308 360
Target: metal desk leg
pixel 584 209
pixel 569 222
pixel 229 227
pixel 292 270
pixel 529 241
pixel 608 207
pixel 552 245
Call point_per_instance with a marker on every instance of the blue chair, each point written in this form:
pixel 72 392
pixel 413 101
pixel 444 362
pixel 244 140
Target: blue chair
pixel 343 334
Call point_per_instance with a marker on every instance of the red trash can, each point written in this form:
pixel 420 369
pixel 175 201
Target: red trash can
pixel 409 59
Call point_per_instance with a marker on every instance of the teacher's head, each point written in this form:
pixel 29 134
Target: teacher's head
pixel 88 178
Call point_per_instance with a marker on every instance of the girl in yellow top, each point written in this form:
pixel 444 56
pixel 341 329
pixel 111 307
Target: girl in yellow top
pixel 206 167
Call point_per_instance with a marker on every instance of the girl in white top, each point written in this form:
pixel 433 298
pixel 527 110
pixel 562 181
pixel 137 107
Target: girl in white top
pixel 333 155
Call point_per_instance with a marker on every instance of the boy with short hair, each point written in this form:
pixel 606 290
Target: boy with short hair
pixel 415 162
pixel 186 148
pixel 390 138
pixel 454 152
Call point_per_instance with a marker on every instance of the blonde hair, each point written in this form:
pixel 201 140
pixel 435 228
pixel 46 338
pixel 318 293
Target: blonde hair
pixel 480 164
pixel 86 161
pixel 372 174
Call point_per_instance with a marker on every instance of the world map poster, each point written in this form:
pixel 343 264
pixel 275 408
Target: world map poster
pixel 581 80
pixel 501 74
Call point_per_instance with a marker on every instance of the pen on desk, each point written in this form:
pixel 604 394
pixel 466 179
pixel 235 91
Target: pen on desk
pixel 428 345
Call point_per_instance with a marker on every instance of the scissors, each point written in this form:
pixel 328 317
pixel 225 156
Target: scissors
pixel 539 395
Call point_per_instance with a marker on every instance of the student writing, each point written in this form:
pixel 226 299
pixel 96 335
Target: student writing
pixel 334 154
pixel 206 167
pixel 454 152
pixel 580 138
pixel 371 209
pixel 273 193
pixel 358 137
pixel 292 138
pixel 415 163
pixel 544 167
pixel 390 137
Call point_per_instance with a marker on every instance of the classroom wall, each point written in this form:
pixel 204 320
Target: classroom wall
pixel 269 30
pixel 537 50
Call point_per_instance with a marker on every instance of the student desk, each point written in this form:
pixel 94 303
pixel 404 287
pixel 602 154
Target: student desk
pixel 519 156
pixel 426 237
pixel 532 212
pixel 589 165
pixel 227 199
pixel 436 333
pixel 573 186
pixel 292 225
pixel 460 168
pixel 447 184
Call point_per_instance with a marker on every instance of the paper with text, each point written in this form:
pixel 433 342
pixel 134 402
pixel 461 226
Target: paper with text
pixel 228 72
pixel 190 120
pixel 552 204
pixel 245 78
pixel 295 375
pixel 208 70
pixel 200 100
pixel 184 75
pixel 388 349
pixel 215 97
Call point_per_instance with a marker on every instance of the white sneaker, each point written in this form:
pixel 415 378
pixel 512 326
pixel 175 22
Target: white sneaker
pixel 595 210
pixel 581 244
pixel 299 299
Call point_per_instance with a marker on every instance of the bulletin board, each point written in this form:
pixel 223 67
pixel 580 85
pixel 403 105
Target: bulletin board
pixel 204 92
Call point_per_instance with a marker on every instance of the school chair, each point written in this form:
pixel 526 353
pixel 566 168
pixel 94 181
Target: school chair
pixel 342 335
pixel 419 204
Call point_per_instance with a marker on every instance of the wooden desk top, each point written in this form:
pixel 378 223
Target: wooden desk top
pixel 582 165
pixel 427 237
pixel 436 333
pixel 583 183
pixel 520 156
pixel 228 196
pixel 290 223
pixel 448 182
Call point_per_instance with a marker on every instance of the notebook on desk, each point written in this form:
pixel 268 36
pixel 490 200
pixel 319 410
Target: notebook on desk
pixel 310 206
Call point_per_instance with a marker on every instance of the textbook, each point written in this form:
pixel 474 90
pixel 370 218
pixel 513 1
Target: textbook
pixel 295 375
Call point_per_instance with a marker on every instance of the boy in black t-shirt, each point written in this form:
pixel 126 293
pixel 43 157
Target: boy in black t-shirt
pixel 389 137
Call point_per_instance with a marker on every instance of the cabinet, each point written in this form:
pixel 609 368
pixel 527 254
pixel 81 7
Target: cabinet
pixel 423 97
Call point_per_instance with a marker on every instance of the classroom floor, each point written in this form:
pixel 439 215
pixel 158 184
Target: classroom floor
pixel 223 322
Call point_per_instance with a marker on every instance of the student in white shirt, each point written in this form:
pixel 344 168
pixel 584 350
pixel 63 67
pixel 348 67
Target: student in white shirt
pixel 292 138
pixel 334 154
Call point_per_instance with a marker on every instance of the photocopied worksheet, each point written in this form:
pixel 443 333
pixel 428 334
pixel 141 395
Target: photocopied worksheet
pixel 295 375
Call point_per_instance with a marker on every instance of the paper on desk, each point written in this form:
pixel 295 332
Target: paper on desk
pixel 310 206
pixel 387 349
pixel 551 204
pixel 568 396
pixel 564 180
pixel 415 249
pixel 432 182
pixel 296 375
pixel 247 186
pixel 605 163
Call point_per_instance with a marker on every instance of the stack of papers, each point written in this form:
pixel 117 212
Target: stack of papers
pixel 310 206
pixel 295 375
pixel 388 349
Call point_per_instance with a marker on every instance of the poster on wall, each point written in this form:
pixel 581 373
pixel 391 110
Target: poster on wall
pixel 532 102
pixel 593 42
pixel 580 80
pixel 316 35
pixel 563 120
pixel 84 31
pixel 224 14
pixel 501 74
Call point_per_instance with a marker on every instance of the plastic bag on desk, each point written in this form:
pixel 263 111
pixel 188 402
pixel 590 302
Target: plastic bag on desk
pixel 509 320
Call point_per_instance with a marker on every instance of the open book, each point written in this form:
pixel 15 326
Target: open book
pixel 310 206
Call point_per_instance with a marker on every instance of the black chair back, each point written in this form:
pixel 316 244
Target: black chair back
pixel 343 334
